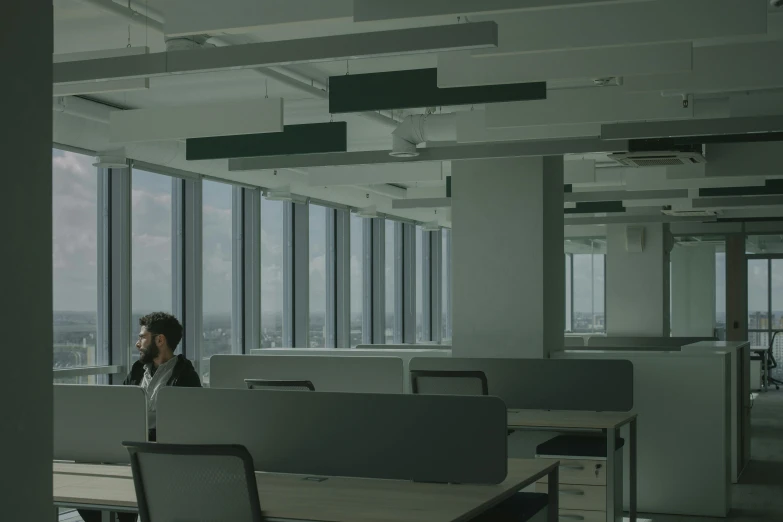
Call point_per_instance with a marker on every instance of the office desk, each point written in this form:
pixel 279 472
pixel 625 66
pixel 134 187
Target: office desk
pixel 606 422
pixel 335 499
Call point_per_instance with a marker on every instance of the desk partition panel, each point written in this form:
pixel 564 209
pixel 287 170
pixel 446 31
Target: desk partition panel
pixel 327 373
pixel 91 422
pixel 423 438
pixel 548 384
pixel 598 342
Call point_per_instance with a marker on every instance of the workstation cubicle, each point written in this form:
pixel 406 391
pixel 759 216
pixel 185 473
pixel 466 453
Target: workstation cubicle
pixel 343 456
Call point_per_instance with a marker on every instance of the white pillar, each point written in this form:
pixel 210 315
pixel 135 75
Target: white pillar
pixel 507 257
pixel 637 283
pixel 26 260
pixel 693 290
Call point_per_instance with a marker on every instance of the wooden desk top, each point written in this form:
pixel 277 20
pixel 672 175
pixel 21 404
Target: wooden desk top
pixel 335 499
pixel 568 419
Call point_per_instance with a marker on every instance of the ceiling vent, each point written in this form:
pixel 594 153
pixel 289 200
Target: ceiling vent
pixel 690 213
pixel 658 159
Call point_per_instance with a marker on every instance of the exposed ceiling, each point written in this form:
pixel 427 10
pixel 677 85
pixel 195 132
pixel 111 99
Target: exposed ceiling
pixel 605 62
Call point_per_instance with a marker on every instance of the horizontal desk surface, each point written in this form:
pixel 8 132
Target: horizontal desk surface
pixel 592 420
pixel 335 499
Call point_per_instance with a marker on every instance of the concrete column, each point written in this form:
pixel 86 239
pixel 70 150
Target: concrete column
pixel 637 283
pixel 693 290
pixel 736 288
pixel 507 257
pixel 26 263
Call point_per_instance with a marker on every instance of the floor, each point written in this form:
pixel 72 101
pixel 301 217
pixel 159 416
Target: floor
pixel 759 495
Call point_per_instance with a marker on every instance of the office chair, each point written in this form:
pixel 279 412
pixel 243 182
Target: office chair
pixel 197 483
pixel 449 382
pixel 269 384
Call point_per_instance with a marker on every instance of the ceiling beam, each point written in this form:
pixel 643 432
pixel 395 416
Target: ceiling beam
pixel 623 25
pixel 267 54
pixel 374 174
pixel 472 128
pixel 634 219
pixel 721 68
pixel 184 17
pixel 421 203
pixel 624 195
pixel 374 10
pixel 476 151
pixel 460 69
pixel 604 105
pixel 688 128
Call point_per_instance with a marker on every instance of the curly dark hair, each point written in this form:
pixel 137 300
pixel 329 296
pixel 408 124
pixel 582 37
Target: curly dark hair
pixel 166 324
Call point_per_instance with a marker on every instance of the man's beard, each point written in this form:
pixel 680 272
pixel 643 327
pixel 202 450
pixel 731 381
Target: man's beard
pixel 147 356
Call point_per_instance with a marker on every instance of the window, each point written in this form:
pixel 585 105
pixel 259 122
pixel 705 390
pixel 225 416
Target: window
pixel 445 287
pixel 720 294
pixel 569 293
pixel 390 269
pixel 585 284
pixel 357 279
pixel 272 274
pixel 75 263
pixel 151 245
pixel 217 271
pixel 317 332
pixel 420 284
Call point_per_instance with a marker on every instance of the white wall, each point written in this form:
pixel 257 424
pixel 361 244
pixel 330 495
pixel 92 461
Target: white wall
pixel 26 261
pixel 637 284
pixel 507 257
pixel 693 290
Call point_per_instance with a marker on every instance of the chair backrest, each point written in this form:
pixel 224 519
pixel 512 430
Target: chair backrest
pixel 197 483
pixel 270 384
pixel 437 382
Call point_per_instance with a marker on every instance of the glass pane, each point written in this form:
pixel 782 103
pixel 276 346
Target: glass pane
pixel 75 262
pixel 758 301
pixel 720 295
pixel 271 274
pixel 317 334
pixel 446 285
pixel 151 245
pixel 217 270
pixel 357 278
pixel 588 293
pixel 568 293
pixel 390 274
pixel 419 284
pixel 776 321
pixel 765 244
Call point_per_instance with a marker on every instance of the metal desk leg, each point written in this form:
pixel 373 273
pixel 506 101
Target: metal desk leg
pixel 632 470
pixel 766 372
pixel 611 435
pixel 553 492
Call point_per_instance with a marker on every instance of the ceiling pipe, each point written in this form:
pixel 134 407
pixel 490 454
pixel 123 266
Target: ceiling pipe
pixel 280 74
pixel 421 128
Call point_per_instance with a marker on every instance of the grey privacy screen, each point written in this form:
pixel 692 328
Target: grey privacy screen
pixel 425 438
pixel 548 384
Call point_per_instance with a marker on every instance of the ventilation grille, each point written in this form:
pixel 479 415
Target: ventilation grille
pixel 658 159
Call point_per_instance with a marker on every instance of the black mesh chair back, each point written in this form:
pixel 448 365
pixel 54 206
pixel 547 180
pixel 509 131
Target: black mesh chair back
pixel 194 483
pixel 267 384
pixel 432 382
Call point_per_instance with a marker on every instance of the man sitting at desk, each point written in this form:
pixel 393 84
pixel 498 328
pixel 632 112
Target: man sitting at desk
pixel 157 367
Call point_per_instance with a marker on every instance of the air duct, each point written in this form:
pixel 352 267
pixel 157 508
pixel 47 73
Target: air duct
pixel 421 128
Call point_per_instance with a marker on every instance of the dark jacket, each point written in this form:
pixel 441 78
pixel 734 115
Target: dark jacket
pixel 184 374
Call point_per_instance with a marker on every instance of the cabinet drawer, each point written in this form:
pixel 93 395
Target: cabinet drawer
pixel 589 472
pixel 576 515
pixel 575 496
